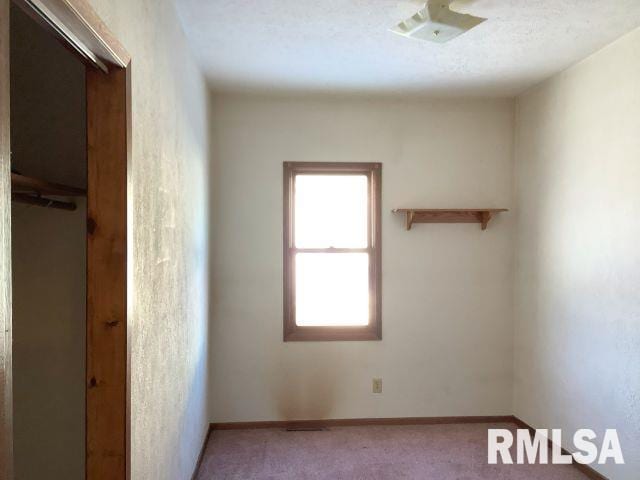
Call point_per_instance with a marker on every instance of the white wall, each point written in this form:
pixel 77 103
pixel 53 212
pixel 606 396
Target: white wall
pixel 49 292
pixel 447 327
pixel 577 335
pixel 168 295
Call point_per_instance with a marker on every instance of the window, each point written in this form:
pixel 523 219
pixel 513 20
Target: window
pixel 332 251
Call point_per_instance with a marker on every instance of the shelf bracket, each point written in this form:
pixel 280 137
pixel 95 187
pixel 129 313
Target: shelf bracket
pixel 409 219
pixel 485 218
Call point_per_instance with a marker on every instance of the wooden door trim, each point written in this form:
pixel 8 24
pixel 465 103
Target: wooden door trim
pixel 6 390
pixel 108 243
pixel 107 367
pixel 77 25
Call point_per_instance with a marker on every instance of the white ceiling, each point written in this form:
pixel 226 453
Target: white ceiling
pixel 345 45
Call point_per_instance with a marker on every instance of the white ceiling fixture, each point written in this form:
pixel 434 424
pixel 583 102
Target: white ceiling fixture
pixel 437 22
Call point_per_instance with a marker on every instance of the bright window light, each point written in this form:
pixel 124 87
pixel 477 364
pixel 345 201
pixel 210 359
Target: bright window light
pixel 332 289
pixel 331 211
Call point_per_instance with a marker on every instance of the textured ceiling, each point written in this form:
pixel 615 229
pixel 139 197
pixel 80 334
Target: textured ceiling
pixel 345 45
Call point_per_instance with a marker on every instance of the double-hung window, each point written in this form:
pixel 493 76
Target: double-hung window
pixel 332 251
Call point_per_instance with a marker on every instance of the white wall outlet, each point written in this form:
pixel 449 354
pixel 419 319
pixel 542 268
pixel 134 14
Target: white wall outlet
pixel 377 385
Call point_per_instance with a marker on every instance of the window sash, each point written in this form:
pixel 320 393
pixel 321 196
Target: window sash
pixel 332 250
pixel 367 174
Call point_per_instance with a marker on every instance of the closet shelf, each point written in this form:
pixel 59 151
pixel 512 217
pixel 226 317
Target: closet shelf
pixel 450 215
pixel 29 185
pixel 30 190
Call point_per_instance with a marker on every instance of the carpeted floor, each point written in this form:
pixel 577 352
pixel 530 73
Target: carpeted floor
pixel 438 452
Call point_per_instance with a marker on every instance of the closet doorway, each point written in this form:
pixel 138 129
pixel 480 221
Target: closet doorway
pixel 48 253
pixel 64 202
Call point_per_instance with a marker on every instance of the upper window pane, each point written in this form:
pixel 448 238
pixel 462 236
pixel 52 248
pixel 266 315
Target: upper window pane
pixel 331 211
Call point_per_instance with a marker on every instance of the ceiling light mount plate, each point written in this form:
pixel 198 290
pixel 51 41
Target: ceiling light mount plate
pixel 436 22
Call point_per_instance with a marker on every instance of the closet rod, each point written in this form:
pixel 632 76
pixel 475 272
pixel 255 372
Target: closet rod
pixel 23 184
pixel 42 202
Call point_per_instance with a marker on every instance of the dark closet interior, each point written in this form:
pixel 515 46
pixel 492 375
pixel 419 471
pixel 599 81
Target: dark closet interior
pixel 48 164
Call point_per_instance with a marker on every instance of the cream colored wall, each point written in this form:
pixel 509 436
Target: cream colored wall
pixel 49 292
pixel 577 334
pixel 447 347
pixel 48 258
pixel 168 296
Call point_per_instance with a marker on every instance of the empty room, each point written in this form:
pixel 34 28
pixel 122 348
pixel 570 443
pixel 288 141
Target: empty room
pixel 319 240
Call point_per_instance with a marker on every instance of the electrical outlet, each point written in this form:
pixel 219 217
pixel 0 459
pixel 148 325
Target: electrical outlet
pixel 377 385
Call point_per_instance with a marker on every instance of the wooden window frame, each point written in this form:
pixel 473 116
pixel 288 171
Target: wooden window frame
pixel 372 331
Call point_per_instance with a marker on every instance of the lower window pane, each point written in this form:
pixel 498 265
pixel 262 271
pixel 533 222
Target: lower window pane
pixel 332 289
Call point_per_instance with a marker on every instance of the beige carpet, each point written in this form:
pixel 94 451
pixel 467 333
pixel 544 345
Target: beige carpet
pixel 438 452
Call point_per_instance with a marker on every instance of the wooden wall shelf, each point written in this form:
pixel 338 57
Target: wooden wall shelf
pixel 456 215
